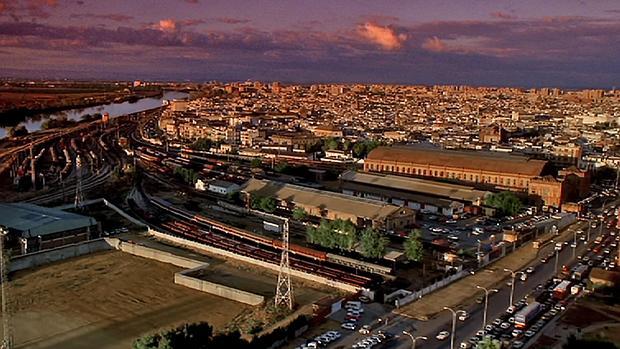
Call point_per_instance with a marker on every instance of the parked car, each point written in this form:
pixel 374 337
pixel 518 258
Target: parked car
pixel 442 335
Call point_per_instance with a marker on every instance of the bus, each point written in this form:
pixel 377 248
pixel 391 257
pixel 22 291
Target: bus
pixel 525 316
pixel 561 291
pixel 580 272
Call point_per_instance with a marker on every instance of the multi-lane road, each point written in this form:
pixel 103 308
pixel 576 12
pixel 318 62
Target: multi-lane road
pixel 497 304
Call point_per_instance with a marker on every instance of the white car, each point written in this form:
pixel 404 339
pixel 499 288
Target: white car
pixel 463 316
pixel 442 335
pixel 348 326
pixel 517 333
pixel 511 309
pixel 365 329
pixel 504 325
pixel 529 333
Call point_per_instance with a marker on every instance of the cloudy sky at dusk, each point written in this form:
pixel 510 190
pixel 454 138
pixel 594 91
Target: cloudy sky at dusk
pixel 481 42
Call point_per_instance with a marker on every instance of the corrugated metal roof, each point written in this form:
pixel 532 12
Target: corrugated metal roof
pixel 416 185
pixel 371 209
pixel 32 220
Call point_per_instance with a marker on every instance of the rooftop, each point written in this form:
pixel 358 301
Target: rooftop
pixel 478 160
pixel 371 209
pixel 32 220
pixel 423 186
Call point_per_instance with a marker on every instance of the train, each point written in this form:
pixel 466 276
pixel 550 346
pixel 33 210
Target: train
pixel 230 230
pixel 265 255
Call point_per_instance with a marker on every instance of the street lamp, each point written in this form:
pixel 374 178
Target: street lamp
pixel 486 302
pixel 557 256
pixel 454 314
pixel 413 339
pixel 574 243
pixel 513 274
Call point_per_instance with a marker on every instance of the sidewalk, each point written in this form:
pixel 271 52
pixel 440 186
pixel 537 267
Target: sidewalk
pixel 462 292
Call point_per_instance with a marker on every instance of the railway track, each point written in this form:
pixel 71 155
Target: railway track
pixel 228 238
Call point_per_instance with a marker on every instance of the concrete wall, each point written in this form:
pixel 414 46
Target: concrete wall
pixel 184 278
pixel 158 255
pixel 32 260
pixel 274 267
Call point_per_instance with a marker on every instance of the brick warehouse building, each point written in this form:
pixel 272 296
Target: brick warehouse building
pixel 498 170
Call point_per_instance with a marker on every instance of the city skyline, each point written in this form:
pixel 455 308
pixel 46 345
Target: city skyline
pixel 566 44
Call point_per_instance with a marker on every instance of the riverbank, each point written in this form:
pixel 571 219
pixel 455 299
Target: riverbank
pixel 28 105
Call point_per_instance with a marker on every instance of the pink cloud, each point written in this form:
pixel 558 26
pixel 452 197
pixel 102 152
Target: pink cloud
pixel 502 15
pixel 383 36
pixel 434 44
pixel 167 25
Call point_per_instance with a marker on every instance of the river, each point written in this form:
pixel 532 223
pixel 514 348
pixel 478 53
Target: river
pixel 33 123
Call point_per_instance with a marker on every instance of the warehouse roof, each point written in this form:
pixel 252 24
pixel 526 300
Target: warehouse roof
pixel 336 202
pixel 32 220
pixel 416 185
pixel 479 160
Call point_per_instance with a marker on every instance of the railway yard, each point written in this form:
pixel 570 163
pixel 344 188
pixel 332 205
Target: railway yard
pixel 111 298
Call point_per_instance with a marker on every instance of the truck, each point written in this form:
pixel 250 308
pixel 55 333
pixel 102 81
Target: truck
pixel 561 290
pixel 524 317
pixel 580 272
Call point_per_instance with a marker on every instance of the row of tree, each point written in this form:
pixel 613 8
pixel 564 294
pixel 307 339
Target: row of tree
pixel 266 204
pixel 360 149
pixel 506 203
pixel 201 336
pixel 343 235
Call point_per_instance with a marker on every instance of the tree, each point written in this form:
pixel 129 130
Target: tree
pixel 146 342
pixel 282 167
pixel 489 343
pixel 299 213
pixel 18 131
pixel 331 144
pixel 202 144
pixel 414 250
pixel 507 203
pixel 256 163
pixel 362 148
pixel 339 233
pixel 372 243
pixel 268 204
pixel 265 204
pixel 345 234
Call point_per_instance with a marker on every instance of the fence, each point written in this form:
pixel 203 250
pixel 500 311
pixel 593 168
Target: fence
pixel 439 284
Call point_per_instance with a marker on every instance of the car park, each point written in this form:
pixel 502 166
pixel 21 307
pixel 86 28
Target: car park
pixel 529 333
pixel 348 326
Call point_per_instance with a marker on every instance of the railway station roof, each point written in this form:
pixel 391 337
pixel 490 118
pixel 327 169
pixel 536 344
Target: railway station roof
pixel 415 185
pixel 32 220
pixel 476 161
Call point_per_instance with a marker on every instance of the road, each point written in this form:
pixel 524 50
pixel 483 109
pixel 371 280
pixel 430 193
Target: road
pixel 498 303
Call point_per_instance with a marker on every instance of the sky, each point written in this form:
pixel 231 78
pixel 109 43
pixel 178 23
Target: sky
pixel 563 43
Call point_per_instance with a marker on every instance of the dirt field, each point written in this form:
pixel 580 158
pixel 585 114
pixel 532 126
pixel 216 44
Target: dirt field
pixel 245 277
pixel 106 300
